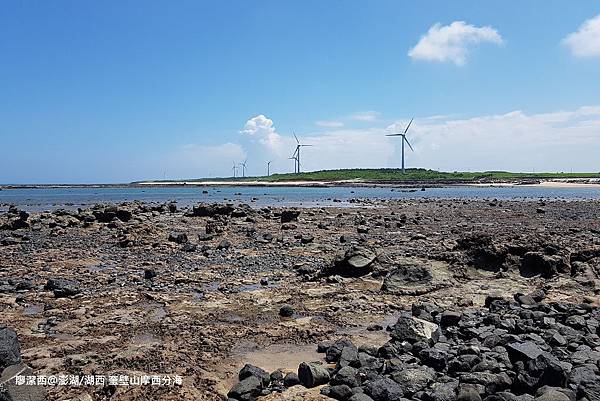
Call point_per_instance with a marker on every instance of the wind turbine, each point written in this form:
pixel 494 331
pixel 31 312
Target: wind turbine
pixel 296 154
pixel 403 135
pixel 244 168
pixel 295 163
pixel 234 168
pixel 269 167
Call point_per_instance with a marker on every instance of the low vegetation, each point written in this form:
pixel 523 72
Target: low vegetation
pixel 414 174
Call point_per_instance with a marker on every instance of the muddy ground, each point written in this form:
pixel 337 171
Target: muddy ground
pixel 145 301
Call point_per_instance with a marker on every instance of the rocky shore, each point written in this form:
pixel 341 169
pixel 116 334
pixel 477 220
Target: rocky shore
pixel 428 300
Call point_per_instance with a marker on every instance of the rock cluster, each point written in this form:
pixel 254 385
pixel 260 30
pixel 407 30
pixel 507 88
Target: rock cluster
pixel 513 350
pixel 14 219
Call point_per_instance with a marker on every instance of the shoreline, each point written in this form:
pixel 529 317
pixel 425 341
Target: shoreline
pixel 542 183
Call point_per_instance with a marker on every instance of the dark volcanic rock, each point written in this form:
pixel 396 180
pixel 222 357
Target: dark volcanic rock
pixel 291 379
pixel 412 330
pixel 250 386
pixel 14 219
pixel 312 374
pixel 288 216
pixel 178 238
pixel 224 244
pixel 523 351
pixel 483 252
pixel 10 352
pixel 413 380
pixel 539 264
pixel 62 287
pixel 286 311
pixel 450 318
pixel 251 370
pixel 356 262
pixel 7 241
pixel 384 389
pixel 149 274
pixel 211 210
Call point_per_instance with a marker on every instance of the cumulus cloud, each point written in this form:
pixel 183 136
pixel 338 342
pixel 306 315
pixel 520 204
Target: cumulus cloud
pixel 329 124
pixel 451 42
pixel 585 42
pixel 365 116
pixel 261 128
pixel 515 141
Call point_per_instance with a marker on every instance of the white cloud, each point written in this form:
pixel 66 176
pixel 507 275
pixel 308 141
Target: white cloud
pixel 330 124
pixel 450 42
pixel 261 128
pixel 514 141
pixel 585 42
pixel 365 116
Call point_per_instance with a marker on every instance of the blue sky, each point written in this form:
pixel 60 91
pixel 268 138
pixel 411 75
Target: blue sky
pixel 117 91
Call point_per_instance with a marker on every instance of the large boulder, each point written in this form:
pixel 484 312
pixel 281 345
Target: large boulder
pixel 62 287
pixel 384 389
pixel 211 210
pixel 334 352
pixel 10 352
pixel 412 329
pixel 413 379
pixel 251 386
pixel 523 351
pixel 313 374
pixel 251 370
pixel 356 262
pixel 14 219
pixel 539 264
pixel 288 216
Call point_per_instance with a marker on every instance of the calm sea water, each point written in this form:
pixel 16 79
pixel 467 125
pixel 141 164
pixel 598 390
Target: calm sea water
pixel 53 198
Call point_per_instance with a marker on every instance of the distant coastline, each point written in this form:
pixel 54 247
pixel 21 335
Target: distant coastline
pixel 549 183
pixel 413 178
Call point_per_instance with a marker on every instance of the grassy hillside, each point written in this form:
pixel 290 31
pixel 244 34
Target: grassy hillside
pixel 396 175
pixel 417 174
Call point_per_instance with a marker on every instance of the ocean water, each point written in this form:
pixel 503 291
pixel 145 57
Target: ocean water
pixel 52 198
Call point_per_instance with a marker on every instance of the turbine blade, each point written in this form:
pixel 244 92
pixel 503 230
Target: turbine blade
pixel 394 134
pixel 296 137
pixel 408 143
pixel 408 126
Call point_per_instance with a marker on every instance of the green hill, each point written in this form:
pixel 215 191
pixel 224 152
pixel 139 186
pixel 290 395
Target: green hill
pixel 395 175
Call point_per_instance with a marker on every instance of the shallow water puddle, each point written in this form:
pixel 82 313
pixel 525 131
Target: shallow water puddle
pixel 286 357
pixel 282 356
pixel 33 310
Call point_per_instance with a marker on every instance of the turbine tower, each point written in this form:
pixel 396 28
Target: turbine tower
pixel 234 169
pixel 296 154
pixel 403 135
pixel 269 167
pixel 244 168
pixel 295 163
